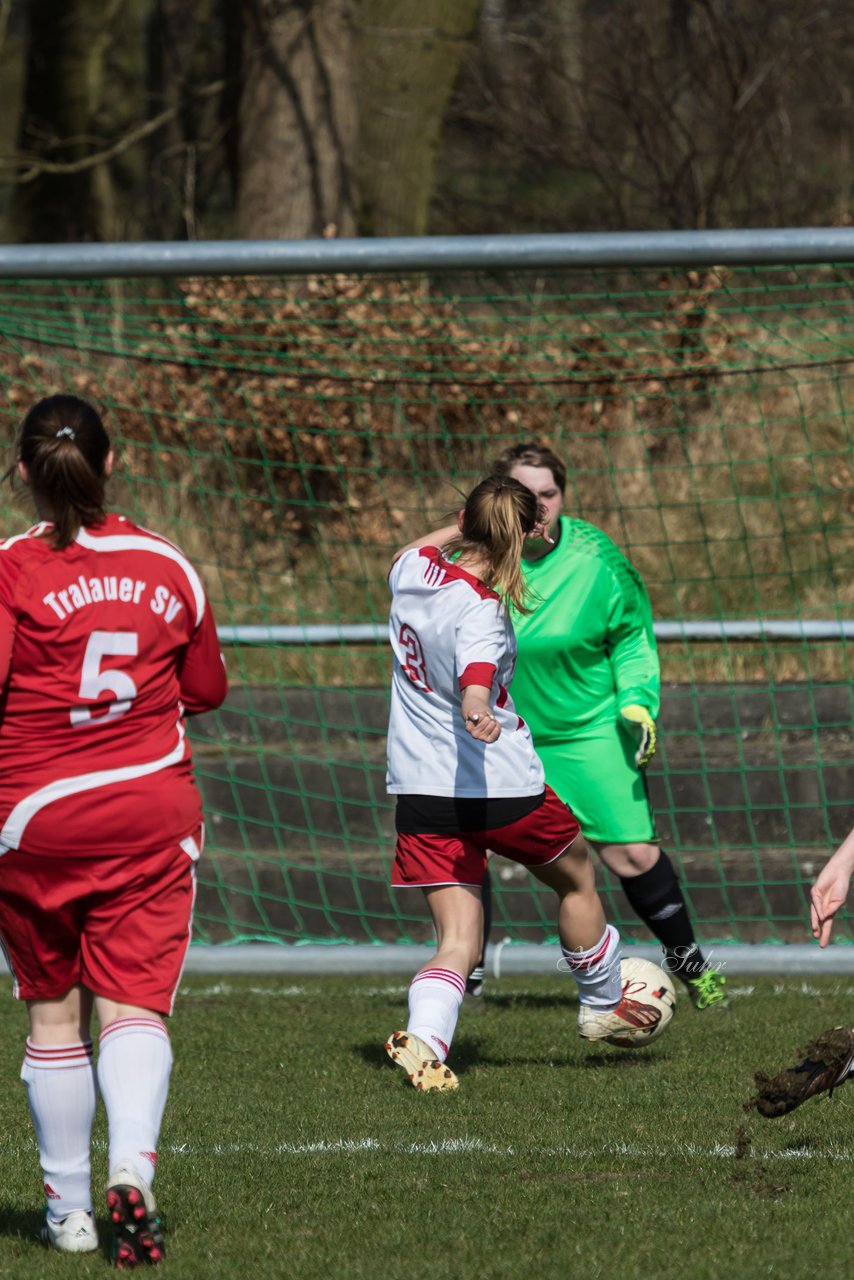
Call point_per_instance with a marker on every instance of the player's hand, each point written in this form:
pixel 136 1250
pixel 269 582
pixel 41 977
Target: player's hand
pixel 482 724
pixel 827 895
pixel 642 725
pixel 541 528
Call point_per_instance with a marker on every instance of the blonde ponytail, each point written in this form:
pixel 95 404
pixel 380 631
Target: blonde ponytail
pixel 499 514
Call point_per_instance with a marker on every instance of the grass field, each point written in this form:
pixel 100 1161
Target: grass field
pixel 293 1148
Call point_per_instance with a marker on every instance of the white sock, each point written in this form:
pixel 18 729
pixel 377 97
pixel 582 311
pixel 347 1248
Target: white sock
pixel 63 1093
pixel 435 996
pixel 134 1063
pixel 597 971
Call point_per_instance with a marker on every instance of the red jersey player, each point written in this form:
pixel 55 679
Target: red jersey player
pixel 467 779
pixel 106 641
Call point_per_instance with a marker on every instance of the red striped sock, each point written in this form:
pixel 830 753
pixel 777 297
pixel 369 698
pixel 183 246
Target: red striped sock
pixel 435 996
pixel 134 1065
pixel 62 1093
pixel 597 970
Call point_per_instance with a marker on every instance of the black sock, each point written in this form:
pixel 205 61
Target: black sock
pixel 656 897
pixel 474 984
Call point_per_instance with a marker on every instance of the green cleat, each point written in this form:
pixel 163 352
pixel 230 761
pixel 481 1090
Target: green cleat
pixel 706 991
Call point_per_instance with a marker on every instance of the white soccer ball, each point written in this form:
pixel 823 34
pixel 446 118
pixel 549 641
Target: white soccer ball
pixel 647 984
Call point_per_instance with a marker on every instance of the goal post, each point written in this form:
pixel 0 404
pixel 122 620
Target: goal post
pixel 289 415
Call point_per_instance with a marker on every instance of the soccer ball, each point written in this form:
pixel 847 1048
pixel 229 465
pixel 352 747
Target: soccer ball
pixel 647 984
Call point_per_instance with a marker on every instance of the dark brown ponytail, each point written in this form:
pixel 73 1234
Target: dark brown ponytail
pixel 64 446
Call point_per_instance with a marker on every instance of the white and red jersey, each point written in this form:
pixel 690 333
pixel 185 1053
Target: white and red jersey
pixel 103 646
pixel 448 631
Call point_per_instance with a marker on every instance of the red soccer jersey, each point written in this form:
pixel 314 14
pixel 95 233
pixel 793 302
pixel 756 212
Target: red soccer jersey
pixel 107 643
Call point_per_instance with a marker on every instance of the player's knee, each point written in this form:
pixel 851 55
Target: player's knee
pixel 459 951
pixel 629 859
pixel 572 872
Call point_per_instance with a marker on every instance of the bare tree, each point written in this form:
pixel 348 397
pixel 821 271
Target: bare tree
pixel 410 55
pixel 84 85
pixel 296 119
pixel 178 149
pixel 13 58
pixel 692 113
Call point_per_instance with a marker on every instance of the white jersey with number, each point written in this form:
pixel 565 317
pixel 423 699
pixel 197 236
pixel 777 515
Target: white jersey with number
pixel 448 631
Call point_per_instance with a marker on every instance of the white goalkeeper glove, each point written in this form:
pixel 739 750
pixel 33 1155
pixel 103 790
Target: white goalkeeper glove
pixel 642 725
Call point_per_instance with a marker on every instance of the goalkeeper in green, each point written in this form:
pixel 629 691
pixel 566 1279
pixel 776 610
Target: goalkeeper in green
pixel 587 684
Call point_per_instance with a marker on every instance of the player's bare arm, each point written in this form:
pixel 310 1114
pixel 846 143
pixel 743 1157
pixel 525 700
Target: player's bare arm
pixel 830 890
pixel 438 538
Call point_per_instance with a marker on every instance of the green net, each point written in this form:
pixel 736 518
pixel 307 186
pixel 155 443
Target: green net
pixel 290 433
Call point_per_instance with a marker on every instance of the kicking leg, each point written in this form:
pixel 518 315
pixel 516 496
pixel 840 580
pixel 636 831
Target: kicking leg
pixel 591 949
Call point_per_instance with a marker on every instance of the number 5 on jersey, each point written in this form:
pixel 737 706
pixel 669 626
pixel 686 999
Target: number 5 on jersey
pixel 94 681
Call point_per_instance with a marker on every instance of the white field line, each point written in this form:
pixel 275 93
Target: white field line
pixel 469 1146
pixel 274 991
pixel 477 1146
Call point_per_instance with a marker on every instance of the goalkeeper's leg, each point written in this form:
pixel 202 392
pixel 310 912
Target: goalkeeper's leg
pixel 649 881
pixel 597 776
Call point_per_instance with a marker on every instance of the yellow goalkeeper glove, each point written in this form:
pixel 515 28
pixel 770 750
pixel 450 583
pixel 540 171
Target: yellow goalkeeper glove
pixel 641 722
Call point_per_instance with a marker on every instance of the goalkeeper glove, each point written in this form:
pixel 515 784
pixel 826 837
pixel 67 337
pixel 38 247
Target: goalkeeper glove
pixel 641 723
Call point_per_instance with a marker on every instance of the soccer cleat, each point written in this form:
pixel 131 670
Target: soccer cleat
pixel 620 1025
pixel 75 1234
pixel 421 1065
pixel 706 991
pixel 827 1062
pixel 137 1230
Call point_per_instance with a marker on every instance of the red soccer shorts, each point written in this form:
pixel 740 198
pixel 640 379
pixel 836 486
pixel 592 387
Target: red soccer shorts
pixel 538 838
pixel 118 926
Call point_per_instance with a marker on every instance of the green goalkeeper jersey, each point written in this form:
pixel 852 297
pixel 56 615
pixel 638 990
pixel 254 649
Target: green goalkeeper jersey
pixel 587 648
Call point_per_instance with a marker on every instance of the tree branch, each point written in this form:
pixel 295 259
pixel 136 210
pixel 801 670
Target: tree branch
pixel 38 167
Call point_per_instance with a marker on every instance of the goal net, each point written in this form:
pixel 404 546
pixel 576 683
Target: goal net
pixel 290 433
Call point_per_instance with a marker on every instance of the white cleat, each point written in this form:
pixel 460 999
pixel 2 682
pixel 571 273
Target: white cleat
pixel 424 1069
pixel 630 1024
pixel 75 1234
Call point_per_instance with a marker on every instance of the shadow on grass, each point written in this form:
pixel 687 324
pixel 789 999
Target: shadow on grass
pixel 26 1224
pixel 23 1223
pixel 621 1058
pixel 467 1054
pixel 526 1000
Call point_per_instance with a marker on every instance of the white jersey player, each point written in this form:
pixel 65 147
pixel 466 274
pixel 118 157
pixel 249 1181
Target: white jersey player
pixel 447 632
pixel 467 779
